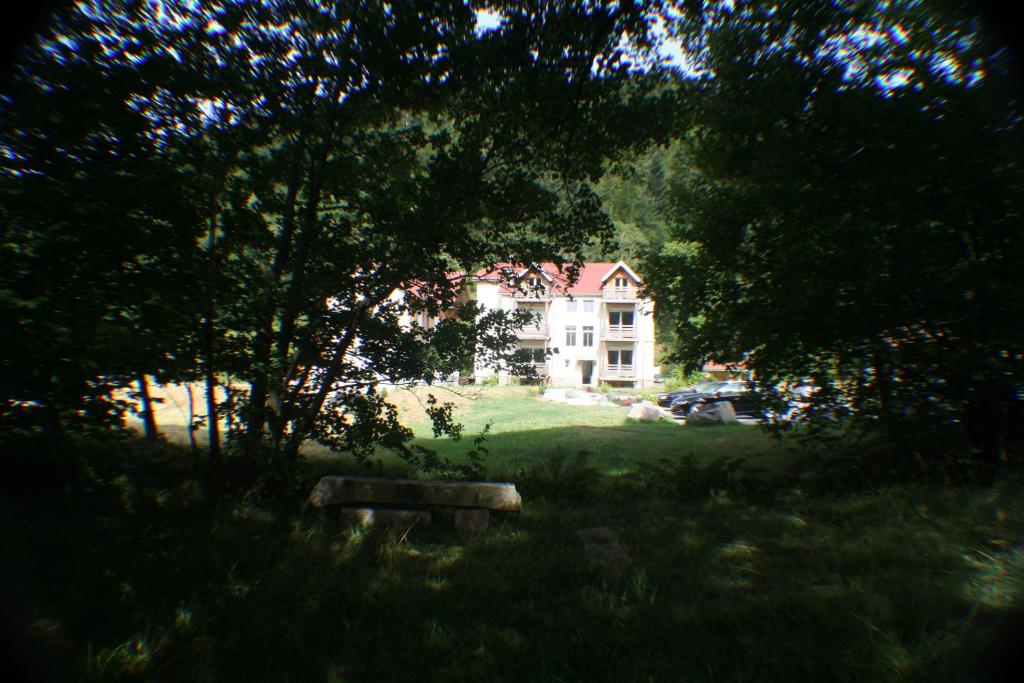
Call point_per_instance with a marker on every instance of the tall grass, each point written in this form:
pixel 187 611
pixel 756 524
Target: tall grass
pixel 743 565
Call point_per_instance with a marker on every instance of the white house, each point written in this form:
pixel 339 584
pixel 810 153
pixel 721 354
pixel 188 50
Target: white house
pixel 600 329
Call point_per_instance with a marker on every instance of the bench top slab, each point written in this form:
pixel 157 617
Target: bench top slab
pixel 333 490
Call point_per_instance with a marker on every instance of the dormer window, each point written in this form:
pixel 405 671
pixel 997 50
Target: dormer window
pixel 620 283
pixel 534 283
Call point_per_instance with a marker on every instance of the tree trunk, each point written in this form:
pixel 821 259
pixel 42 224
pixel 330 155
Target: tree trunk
pixel 193 448
pixel 883 385
pixel 212 425
pixel 308 233
pixel 209 365
pixel 308 419
pixel 148 416
pixel 987 422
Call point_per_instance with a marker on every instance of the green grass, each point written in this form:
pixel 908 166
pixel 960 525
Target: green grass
pixel 526 430
pixel 734 574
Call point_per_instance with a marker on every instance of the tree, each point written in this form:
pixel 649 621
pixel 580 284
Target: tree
pixel 92 236
pixel 844 209
pixel 325 156
pixel 633 193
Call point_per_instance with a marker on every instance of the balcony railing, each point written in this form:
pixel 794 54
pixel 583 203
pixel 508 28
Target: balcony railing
pixel 540 369
pixel 534 332
pixel 619 292
pixel 613 370
pixel 614 332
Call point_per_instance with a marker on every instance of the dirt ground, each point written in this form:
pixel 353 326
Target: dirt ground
pixel 171 405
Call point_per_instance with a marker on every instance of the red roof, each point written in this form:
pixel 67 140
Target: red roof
pixel 415 287
pixel 720 367
pixel 590 281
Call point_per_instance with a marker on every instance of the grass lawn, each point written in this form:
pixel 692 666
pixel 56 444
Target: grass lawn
pixel 526 430
pixel 728 574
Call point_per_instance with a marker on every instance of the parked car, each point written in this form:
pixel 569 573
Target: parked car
pixel 744 403
pixel 801 402
pixel 666 400
pixel 682 405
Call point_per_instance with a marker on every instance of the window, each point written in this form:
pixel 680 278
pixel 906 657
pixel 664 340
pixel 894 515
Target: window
pixel 570 335
pixel 531 355
pixel 620 357
pixel 534 282
pixel 588 305
pixel 570 306
pixel 620 318
pixel 588 335
pixel 620 283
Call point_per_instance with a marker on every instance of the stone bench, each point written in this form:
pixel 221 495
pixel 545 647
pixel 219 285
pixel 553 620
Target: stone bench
pixel 369 501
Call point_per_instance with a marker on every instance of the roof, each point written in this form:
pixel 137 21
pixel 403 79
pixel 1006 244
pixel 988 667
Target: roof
pixel 416 287
pixel 625 268
pixel 712 366
pixel 591 279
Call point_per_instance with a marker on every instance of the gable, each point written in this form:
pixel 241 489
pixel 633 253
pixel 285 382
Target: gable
pixel 593 277
pixel 620 269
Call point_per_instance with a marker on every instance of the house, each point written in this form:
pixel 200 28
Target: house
pixel 599 329
pixel 723 371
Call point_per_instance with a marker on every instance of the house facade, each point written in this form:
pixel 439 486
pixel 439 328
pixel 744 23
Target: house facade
pixel 598 330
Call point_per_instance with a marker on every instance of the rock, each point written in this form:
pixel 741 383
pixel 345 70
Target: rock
pixel 645 412
pixel 367 517
pixel 604 550
pixel 358 491
pixel 711 413
pixel 472 521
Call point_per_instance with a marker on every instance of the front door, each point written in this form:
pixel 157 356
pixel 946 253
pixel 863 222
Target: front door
pixel 587 366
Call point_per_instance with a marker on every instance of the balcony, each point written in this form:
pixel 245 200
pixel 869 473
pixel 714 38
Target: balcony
pixel 539 369
pixel 534 332
pixel 617 371
pixel 618 332
pixel 531 294
pixel 621 293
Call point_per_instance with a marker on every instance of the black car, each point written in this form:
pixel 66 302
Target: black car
pixel 665 400
pixel 744 403
pixel 682 405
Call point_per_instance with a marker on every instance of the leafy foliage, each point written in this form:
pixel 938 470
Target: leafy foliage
pixel 263 194
pixel 844 209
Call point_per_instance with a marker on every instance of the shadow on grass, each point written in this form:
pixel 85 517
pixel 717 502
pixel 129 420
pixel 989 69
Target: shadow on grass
pixel 143 582
pixel 611 448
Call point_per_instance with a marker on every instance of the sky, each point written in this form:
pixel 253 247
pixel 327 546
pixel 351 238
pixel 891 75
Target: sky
pixel 670 50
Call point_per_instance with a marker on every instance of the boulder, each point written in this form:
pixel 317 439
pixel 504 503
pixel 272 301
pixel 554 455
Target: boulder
pixel 472 521
pixel 645 412
pixel 720 412
pixel 367 517
pixel 368 491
